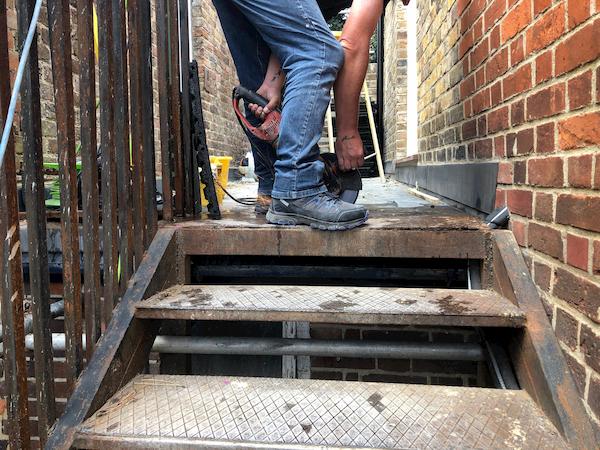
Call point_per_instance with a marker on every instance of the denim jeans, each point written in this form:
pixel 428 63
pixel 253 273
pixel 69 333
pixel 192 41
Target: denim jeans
pixel 295 31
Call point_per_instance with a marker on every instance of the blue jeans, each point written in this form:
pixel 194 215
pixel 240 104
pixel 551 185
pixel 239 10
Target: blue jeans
pixel 295 31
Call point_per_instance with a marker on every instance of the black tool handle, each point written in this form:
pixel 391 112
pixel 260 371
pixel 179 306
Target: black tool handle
pixel 251 96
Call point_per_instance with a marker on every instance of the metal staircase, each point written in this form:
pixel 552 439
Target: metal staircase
pixel 117 404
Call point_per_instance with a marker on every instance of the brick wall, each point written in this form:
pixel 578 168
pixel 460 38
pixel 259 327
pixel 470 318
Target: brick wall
pixel 394 82
pixel 217 79
pixel 452 373
pixel 518 82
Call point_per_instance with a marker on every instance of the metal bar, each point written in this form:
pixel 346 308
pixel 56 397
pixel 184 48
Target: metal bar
pixel 164 105
pixel 304 347
pixel 139 213
pixel 147 98
pixel 11 282
pixel 56 309
pixel 33 185
pixel 62 73
pixel 380 72
pixel 89 173
pixel 110 238
pixel 121 111
pixel 186 108
pixel 310 347
pixel 200 156
pixel 175 104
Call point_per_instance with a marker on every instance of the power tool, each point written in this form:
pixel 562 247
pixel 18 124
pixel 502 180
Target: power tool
pixel 345 185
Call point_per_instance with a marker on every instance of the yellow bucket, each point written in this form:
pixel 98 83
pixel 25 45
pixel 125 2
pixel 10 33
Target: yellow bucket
pixel 220 169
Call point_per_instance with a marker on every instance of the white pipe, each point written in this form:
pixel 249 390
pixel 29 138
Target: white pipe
pixel 18 80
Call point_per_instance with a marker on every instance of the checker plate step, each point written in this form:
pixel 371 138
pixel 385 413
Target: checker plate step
pixel 174 411
pixel 334 304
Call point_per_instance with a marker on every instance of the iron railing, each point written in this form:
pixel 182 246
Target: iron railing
pixel 113 211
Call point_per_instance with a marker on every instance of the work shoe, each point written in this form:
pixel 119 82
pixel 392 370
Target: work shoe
pixel 263 202
pixel 322 211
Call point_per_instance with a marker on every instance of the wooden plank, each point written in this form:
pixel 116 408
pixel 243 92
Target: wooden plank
pixel 59 25
pixel 123 161
pixel 33 186
pixel 89 178
pixel 537 356
pixel 124 347
pixel 137 175
pixel 175 102
pixel 333 304
pixel 164 105
pixel 110 237
pixel 147 109
pixel 11 282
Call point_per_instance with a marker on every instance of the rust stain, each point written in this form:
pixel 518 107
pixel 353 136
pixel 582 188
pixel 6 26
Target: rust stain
pixel 406 301
pixel 199 298
pixel 375 401
pixel 451 306
pixel 336 305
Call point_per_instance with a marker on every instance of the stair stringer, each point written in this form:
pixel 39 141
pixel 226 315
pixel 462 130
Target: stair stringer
pixel 123 349
pixel 539 363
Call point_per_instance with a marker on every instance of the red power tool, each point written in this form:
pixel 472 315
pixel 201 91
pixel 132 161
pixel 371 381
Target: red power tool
pixel 345 185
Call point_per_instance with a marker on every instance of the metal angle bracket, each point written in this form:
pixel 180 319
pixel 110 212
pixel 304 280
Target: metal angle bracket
pixel 199 146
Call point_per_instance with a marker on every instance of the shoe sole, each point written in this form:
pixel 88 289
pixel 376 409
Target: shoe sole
pixel 296 219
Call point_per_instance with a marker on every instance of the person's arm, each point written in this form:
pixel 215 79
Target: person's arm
pixel 356 38
pixel 270 89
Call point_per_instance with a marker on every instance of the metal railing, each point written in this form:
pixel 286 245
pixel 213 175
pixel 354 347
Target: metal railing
pixel 116 202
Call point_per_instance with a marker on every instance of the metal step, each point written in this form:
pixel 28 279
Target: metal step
pixel 333 304
pixel 185 412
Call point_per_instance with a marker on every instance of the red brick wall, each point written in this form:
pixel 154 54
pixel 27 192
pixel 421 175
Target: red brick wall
pixel 451 373
pixel 524 76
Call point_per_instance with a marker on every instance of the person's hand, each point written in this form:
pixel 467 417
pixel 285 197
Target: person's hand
pixel 350 151
pixel 272 92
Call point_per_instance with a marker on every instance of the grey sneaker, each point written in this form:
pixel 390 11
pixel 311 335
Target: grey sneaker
pixel 322 211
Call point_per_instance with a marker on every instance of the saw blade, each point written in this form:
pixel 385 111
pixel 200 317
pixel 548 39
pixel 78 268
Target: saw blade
pixel 345 185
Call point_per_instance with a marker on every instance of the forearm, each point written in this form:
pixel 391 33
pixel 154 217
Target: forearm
pixel 274 75
pixel 355 39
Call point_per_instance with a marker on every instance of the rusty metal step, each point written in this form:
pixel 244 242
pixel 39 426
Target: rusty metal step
pixel 333 304
pixel 167 411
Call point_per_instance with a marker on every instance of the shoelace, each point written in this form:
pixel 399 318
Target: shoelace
pixel 326 199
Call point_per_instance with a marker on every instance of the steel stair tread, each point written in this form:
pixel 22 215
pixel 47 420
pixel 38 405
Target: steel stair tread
pixel 177 411
pixel 333 304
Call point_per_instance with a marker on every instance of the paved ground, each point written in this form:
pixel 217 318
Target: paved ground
pixel 375 194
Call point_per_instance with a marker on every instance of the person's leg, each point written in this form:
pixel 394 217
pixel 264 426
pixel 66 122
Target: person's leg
pixel 310 57
pixel 251 57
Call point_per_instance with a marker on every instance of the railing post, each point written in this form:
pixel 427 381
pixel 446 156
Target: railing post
pixel 122 142
pixel 33 186
pixel 139 212
pixel 166 120
pixel 179 183
pixel 11 281
pixel 110 236
pixel 89 179
pixel 144 36
pixel 62 73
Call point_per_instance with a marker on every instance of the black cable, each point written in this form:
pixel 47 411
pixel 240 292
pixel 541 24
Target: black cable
pixel 246 201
